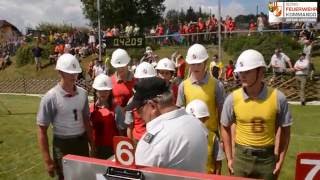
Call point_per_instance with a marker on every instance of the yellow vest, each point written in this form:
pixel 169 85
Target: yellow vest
pixel 255 119
pixel 206 93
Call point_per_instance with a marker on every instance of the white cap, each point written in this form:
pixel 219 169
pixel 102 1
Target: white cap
pixel 69 64
pixel 102 82
pixel 145 70
pixel 249 59
pixel 196 54
pixel 198 109
pixel 166 64
pixel 120 58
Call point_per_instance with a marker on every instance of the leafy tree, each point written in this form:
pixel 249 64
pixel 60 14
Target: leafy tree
pixel 245 18
pixel 143 12
pixel 199 13
pixel 172 16
pixel 182 15
pixel 191 15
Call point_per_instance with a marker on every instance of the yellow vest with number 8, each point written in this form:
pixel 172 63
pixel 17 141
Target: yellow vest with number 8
pixel 255 119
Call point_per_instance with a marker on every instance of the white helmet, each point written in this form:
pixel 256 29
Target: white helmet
pixel 197 53
pixel 198 109
pixel 120 58
pixel 69 64
pixel 249 59
pixel 102 82
pixel 166 64
pixel 145 70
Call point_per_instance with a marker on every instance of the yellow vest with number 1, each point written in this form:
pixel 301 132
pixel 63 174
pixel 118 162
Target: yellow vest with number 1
pixel 255 119
pixel 206 93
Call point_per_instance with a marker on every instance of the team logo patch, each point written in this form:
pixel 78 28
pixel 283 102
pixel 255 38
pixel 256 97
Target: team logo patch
pixel 74 66
pixel 194 56
pixel 148 138
pixel 241 64
pixel 191 110
pixel 145 71
pixel 165 65
pixel 119 62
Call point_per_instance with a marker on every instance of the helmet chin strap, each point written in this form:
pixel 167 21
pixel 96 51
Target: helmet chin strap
pixel 255 81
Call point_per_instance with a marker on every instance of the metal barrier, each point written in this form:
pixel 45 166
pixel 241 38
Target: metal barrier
pixel 287 84
pixel 35 86
pixel 210 37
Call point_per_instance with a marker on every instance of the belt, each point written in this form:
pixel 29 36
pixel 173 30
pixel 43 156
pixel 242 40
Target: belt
pixel 78 136
pixel 253 151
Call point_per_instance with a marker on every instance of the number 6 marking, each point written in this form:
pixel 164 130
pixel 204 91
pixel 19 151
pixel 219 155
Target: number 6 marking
pixel 120 151
pixel 314 170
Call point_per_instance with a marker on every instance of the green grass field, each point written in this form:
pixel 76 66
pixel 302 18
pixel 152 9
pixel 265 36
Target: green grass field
pixel 20 157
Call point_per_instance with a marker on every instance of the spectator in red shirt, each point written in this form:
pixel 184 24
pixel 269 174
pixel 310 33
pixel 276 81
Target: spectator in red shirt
pixel 192 29
pixel 230 25
pixel 211 25
pixel 123 82
pixel 181 67
pixel 252 26
pixel 186 31
pixel 160 32
pixel 229 71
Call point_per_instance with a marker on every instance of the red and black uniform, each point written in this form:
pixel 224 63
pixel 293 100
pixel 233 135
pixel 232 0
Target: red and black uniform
pixel 252 26
pixel 229 72
pixel 181 69
pixel 174 89
pixel 122 90
pixel 104 129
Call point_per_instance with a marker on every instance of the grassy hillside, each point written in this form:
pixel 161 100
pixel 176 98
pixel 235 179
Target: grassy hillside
pixel 28 71
pixel 48 72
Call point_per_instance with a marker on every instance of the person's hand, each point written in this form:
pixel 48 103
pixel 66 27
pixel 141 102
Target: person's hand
pixel 230 166
pixel 277 169
pixel 51 168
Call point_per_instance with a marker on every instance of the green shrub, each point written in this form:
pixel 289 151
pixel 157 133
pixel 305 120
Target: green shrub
pixel 266 44
pixel 25 56
pixel 47 27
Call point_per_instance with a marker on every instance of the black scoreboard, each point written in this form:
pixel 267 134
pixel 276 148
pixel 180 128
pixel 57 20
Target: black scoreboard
pixel 125 42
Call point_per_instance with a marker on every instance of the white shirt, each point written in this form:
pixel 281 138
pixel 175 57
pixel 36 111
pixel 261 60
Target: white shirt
pixel 307 51
pixel 279 61
pixel 92 39
pixel 174 140
pixel 302 64
pixel 260 22
pixel 66 114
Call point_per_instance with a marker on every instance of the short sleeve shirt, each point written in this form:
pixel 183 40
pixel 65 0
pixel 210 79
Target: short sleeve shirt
pixel 66 113
pixel 219 94
pixel 283 116
pixel 163 146
pixel 279 61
